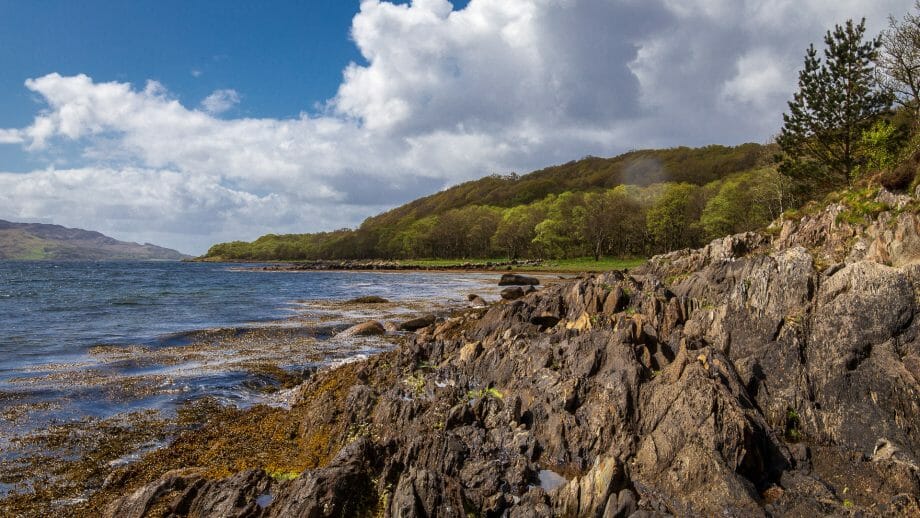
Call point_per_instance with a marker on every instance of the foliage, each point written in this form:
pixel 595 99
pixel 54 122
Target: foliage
pixel 579 209
pixel 839 97
pixel 490 392
pixel 672 222
pixel 743 202
pixel 899 61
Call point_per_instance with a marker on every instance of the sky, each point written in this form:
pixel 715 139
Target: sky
pixel 187 123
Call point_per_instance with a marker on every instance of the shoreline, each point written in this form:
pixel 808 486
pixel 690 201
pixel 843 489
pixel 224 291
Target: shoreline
pixel 530 266
pixel 130 433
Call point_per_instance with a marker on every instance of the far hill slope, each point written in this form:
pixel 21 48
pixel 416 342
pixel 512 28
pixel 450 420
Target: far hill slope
pixel 697 166
pixel 37 241
pixel 554 212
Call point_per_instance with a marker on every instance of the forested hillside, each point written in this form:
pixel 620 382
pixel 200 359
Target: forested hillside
pixel 638 203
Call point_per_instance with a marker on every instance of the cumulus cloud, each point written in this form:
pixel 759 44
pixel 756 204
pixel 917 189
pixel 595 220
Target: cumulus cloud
pixel 444 96
pixel 220 101
pixel 8 136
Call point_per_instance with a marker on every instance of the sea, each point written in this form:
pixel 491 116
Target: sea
pixel 95 339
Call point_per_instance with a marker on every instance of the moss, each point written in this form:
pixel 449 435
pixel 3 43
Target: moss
pixel 793 432
pixel 489 392
pixel 860 205
pixel 281 475
pixel 416 383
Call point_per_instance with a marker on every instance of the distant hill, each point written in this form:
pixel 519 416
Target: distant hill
pixel 653 201
pixel 37 241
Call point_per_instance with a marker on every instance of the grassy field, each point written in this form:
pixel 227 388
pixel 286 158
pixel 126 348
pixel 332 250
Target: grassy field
pixel 582 264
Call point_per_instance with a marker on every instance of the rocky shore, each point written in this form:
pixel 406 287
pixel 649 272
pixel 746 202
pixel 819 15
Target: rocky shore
pixel 364 265
pixel 757 376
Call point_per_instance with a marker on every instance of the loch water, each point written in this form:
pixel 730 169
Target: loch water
pixel 94 339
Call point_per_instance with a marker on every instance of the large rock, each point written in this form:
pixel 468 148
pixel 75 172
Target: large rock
pixel 476 301
pixel 370 328
pixel 736 380
pixel 512 293
pixel 513 279
pixel 370 299
pixel 417 323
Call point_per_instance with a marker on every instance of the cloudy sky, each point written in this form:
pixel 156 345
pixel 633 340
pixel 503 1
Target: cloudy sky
pixel 184 125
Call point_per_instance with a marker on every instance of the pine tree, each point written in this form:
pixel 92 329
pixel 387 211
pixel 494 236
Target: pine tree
pixel 839 97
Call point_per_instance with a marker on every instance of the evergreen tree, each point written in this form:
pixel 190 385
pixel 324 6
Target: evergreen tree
pixel 839 97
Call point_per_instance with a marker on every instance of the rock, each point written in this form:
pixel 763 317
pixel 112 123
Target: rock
pixel 545 319
pixel 512 293
pixel 370 299
pixel 512 279
pixel 733 380
pixel 369 328
pixel 391 327
pixel 470 351
pixel 417 323
pixel 582 323
pixel 476 301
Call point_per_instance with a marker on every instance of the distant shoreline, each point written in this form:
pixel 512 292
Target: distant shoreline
pixel 535 266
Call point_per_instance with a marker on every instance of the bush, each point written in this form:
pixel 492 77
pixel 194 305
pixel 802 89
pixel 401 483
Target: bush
pixel 900 177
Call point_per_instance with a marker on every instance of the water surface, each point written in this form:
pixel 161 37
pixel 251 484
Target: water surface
pixel 95 339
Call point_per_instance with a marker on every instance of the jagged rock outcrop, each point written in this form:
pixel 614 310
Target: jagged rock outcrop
pixel 742 379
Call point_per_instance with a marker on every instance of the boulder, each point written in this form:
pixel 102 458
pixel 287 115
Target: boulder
pixel 512 293
pixel 476 301
pixel 417 323
pixel 369 328
pixel 370 299
pixel 513 279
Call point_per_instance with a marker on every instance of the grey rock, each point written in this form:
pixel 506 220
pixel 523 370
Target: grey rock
pixel 513 279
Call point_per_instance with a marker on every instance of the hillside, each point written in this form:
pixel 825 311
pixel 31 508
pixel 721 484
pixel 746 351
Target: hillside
pixel 37 241
pixel 570 210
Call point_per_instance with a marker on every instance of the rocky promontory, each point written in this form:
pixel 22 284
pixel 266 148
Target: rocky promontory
pixel 773 374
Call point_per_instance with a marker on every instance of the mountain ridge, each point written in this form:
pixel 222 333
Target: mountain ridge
pixel 42 241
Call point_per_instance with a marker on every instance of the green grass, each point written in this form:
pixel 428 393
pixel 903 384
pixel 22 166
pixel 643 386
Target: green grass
pixel 581 264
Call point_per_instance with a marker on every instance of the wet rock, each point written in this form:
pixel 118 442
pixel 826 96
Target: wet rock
pixel 512 279
pixel 417 323
pixel 391 327
pixel 476 301
pixel 370 299
pixel 512 293
pixel 370 328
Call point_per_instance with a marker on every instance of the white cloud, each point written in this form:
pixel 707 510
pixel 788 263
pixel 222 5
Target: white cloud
pixel 761 80
pixel 10 136
pixel 220 101
pixel 444 96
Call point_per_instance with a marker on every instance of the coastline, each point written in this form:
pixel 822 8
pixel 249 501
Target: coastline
pixel 607 394
pixel 96 448
pixel 523 266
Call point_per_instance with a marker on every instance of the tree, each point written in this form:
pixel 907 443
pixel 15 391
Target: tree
pixel 673 220
pixel 899 61
pixel 555 236
pixel 839 97
pixel 516 229
pixel 610 221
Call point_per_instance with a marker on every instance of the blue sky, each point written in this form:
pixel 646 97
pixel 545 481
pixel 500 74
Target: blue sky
pixel 283 60
pixel 185 123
